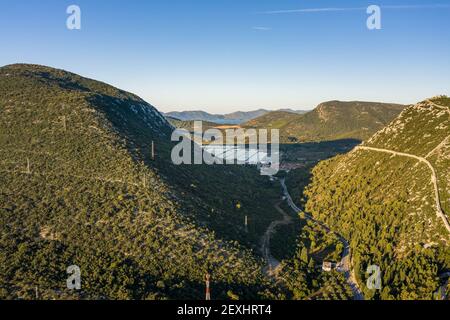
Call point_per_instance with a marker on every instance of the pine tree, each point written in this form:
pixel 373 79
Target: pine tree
pixel 311 264
pixel 304 255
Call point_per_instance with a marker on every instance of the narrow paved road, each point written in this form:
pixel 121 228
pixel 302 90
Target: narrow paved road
pixel 439 106
pixel 440 213
pixel 443 288
pixel 345 264
pixel 438 147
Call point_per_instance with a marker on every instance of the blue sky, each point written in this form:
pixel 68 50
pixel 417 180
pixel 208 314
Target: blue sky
pixel 228 55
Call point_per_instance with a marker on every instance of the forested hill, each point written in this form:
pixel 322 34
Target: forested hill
pixel 331 120
pixel 78 186
pixel 189 125
pixel 383 197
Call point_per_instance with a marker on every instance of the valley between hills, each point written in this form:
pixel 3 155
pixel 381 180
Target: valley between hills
pixel 86 179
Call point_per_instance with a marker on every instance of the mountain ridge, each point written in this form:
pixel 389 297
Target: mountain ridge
pixel 332 120
pixel 236 117
pixel 79 187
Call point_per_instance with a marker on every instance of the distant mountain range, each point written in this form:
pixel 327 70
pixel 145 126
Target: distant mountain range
pixel 331 120
pixel 237 117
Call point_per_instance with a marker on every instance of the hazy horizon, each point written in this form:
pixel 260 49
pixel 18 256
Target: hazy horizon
pixel 243 109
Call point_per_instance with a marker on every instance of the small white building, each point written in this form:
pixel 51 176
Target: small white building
pixel 327 266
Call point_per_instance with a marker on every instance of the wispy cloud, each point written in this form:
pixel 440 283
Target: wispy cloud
pixel 393 7
pixel 262 28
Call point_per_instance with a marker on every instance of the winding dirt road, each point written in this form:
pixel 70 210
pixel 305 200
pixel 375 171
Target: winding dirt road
pixel 272 263
pixel 440 213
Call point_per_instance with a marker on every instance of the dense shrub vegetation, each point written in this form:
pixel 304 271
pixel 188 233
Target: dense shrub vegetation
pixel 386 204
pixel 79 187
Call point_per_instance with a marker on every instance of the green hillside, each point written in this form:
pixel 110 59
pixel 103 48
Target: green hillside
pixel 332 120
pixel 386 204
pixel 78 186
pixel 189 125
pixel 272 120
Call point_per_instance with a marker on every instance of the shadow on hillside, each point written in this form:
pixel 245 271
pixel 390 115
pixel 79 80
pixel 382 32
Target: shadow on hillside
pixel 210 194
pixel 298 160
pixel 311 153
